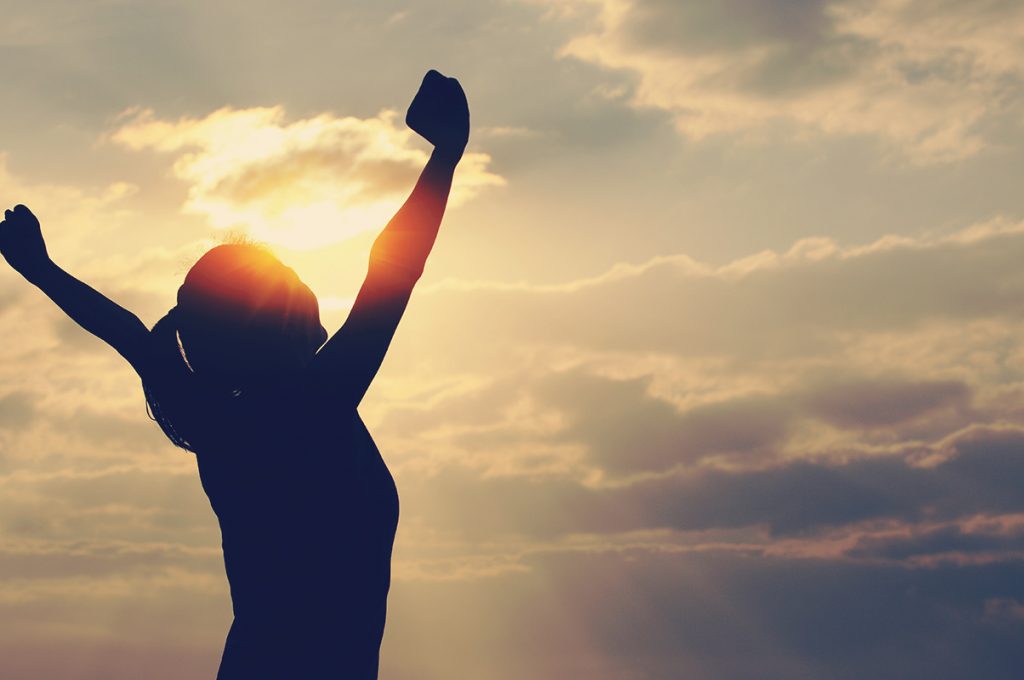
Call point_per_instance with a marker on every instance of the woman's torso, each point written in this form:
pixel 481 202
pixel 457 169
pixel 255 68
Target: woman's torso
pixel 308 513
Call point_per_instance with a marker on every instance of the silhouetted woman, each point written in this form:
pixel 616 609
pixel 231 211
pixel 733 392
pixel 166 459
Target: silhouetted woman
pixel 236 373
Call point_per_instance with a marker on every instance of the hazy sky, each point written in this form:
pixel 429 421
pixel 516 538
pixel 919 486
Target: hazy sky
pixel 717 370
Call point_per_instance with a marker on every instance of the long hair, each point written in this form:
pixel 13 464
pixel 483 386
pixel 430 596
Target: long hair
pixel 239 311
pixel 169 357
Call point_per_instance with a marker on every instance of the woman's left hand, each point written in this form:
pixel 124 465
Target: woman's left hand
pixel 21 241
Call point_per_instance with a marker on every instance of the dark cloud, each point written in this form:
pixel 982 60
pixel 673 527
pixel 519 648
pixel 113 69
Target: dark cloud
pixel 951 541
pixel 625 428
pixel 792 499
pixel 882 402
pixel 698 27
pixel 715 616
pixel 983 475
pixel 797 41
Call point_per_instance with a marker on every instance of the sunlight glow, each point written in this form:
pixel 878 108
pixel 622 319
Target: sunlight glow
pixel 301 185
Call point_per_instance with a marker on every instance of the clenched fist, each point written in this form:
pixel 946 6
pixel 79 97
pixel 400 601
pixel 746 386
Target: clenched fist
pixel 440 114
pixel 21 241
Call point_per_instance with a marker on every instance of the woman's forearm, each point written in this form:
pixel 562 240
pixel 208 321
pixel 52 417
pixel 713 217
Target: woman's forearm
pixel 409 237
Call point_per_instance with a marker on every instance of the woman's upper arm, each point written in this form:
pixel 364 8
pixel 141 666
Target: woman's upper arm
pixel 346 365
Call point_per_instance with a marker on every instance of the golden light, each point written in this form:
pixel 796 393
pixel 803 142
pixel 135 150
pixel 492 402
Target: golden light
pixel 302 184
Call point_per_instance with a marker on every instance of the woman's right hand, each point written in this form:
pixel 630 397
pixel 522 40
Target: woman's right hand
pixel 21 241
pixel 439 113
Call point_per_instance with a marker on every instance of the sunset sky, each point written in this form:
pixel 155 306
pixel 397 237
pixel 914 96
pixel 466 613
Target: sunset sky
pixel 716 371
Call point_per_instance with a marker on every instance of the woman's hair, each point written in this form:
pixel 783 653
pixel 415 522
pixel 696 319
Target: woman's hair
pixel 169 358
pixel 242 318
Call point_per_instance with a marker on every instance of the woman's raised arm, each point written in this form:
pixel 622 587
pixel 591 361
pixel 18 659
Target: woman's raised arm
pixel 22 245
pixel 348 362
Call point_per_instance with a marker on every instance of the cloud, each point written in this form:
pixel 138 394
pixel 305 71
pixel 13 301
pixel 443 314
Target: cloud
pixel 809 300
pixel 882 402
pixel 661 614
pixel 733 450
pixel 73 219
pixel 17 410
pixel 927 78
pixel 981 473
pixel 819 353
pixel 624 428
pixel 54 560
pixel 303 183
pixel 951 542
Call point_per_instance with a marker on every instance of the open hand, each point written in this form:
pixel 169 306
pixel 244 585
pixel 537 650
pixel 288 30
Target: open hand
pixel 21 241
pixel 440 114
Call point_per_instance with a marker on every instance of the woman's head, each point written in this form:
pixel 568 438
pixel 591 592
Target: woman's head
pixel 245 318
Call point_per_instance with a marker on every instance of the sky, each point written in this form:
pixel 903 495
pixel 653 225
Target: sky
pixel 716 370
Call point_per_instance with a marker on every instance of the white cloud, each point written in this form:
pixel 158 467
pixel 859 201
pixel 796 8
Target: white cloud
pixel 925 77
pixel 301 184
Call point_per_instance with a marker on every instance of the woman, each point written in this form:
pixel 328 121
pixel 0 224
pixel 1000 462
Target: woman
pixel 235 372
